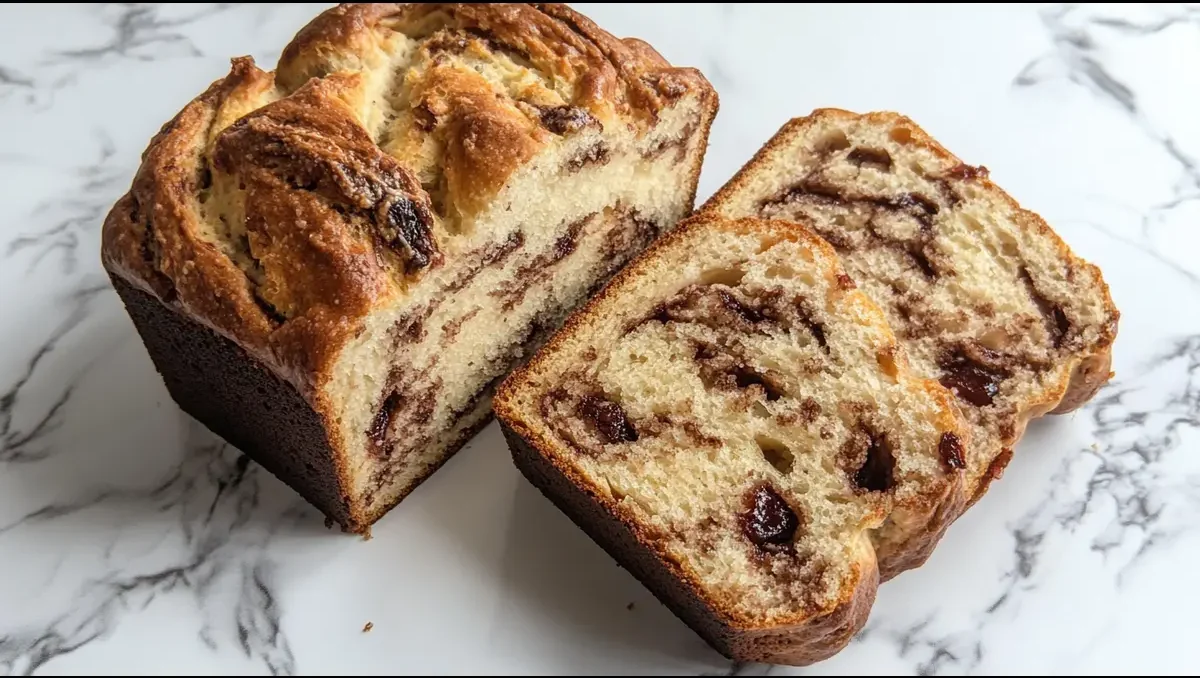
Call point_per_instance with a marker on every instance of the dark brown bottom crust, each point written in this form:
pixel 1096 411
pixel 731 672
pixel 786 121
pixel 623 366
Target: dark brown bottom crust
pixel 235 396
pixel 215 381
pixel 615 537
pixel 800 645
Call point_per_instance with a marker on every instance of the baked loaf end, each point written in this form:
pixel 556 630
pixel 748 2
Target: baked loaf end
pixel 380 228
pixel 984 296
pixel 730 418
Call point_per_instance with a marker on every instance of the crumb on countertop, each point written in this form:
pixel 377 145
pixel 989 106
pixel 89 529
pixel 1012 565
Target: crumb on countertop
pixel 629 606
pixel 368 626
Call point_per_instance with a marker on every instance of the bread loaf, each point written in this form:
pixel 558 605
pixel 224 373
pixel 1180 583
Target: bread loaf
pixel 332 264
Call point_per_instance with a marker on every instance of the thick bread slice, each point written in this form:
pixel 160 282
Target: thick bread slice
pixel 730 419
pixel 984 296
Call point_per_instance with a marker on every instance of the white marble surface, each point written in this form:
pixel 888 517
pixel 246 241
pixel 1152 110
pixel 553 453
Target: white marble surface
pixel 132 540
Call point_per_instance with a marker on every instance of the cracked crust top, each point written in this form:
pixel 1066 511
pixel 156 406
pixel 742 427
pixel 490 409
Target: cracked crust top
pixel 280 208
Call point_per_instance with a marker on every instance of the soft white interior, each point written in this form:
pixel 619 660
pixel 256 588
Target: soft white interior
pixel 540 202
pixel 701 449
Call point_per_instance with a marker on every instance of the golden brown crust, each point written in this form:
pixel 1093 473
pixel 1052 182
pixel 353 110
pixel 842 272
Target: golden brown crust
pixel 919 543
pixel 273 208
pixel 1089 375
pixel 800 639
pixel 149 237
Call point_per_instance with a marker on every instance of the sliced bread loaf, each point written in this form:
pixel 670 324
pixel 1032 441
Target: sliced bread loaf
pixel 332 264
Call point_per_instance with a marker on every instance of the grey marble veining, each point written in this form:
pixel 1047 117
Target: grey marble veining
pixel 132 539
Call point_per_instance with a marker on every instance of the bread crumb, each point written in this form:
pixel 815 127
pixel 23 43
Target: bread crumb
pixel 366 535
pixel 1095 447
pixel 629 606
pixel 368 626
pixel 328 523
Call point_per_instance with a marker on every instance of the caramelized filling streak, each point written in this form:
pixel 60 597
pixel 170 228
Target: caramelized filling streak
pixel 724 308
pixel 970 378
pixel 540 268
pixel 1055 319
pixel 974 379
pixel 409 406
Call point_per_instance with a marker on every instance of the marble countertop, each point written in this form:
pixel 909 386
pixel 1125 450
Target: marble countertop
pixel 133 540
